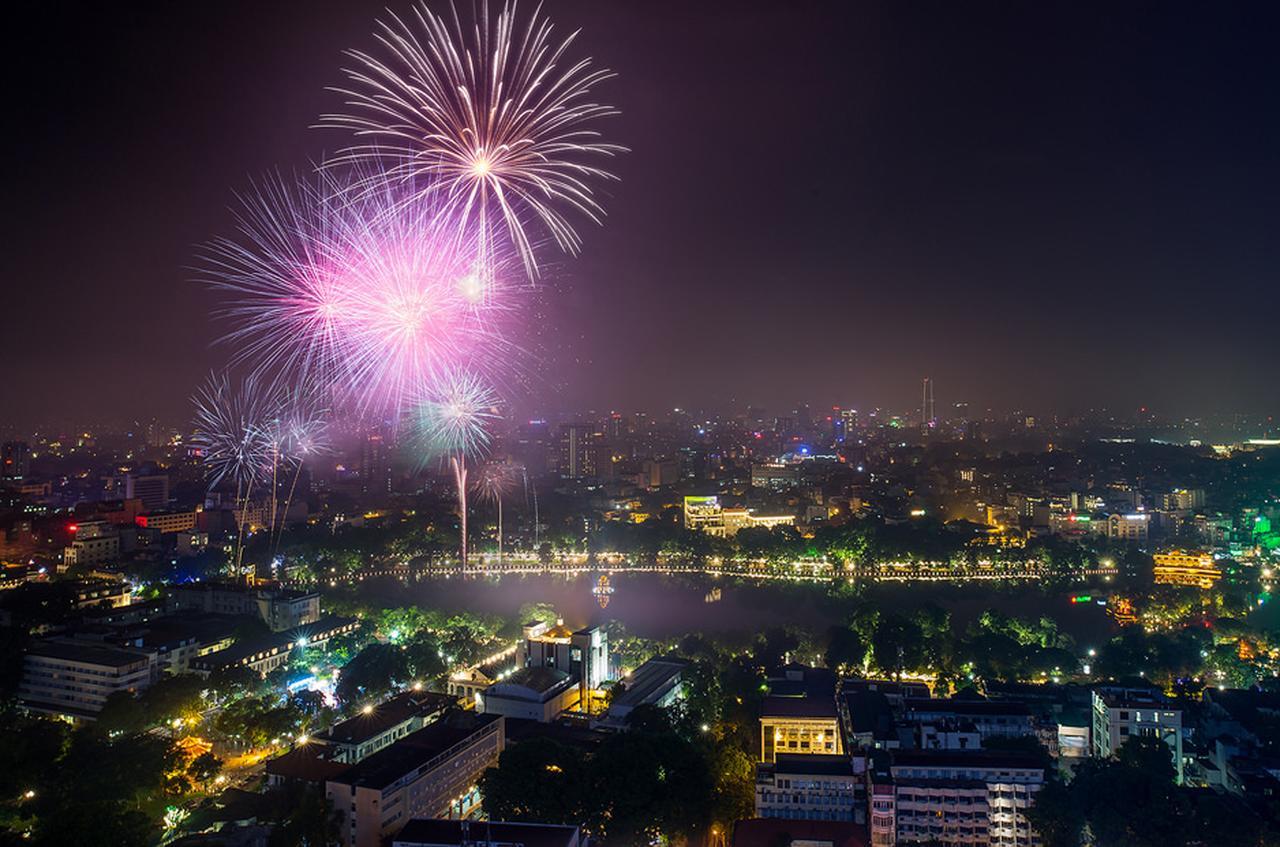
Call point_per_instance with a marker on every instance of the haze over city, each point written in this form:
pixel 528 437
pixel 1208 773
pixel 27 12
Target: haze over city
pixel 493 423
pixel 1039 206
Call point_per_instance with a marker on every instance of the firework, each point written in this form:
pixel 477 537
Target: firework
pixel 455 416
pixel 494 479
pixel 233 430
pixel 497 122
pixel 367 297
pixel 452 422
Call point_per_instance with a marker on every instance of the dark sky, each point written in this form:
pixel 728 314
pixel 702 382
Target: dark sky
pixel 1042 205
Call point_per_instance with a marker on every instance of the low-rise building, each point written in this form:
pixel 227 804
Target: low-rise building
pixel 465 833
pixel 467 684
pixel 1121 713
pixel 165 523
pixel 266 654
pixel 808 787
pixel 534 693
pixel 73 679
pixel 430 773
pixel 279 608
pixel 799 725
pixel 379 726
pixel 657 682
pixel 1179 567
pixel 955 798
pixel 988 718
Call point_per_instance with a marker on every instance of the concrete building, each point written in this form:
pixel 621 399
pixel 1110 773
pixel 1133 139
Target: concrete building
pixel 280 608
pixel 818 787
pixel 151 489
pixel 1123 713
pixel 583 654
pixel 165 523
pixel 73 679
pixel 96 542
pixel 533 693
pixel 1134 528
pixel 379 726
pixel 706 514
pixel 954 798
pixel 455 833
pixel 430 773
pixel 264 655
pixel 657 682
pixel 986 718
pixel 469 683
pixel 799 725
pixel 15 461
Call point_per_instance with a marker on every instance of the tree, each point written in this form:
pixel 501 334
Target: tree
pixel 845 649
pixel 376 670
pixel 1055 816
pixel 303 816
pixel 204 768
pixel 898 645
pixel 537 780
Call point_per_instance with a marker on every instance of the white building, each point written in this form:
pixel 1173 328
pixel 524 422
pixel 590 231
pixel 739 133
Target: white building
pixel 1123 713
pixel 74 679
pixel 956 798
pixel 808 787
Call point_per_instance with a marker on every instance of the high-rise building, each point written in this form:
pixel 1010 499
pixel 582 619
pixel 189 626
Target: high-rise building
pixel 15 461
pixel 579 451
pixel 375 464
pixel 151 489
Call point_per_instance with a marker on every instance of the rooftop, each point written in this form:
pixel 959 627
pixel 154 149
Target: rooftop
pixel 442 833
pixel 539 680
pixel 968 707
pixel 86 654
pixel 965 759
pixel 307 763
pixel 778 832
pixel 647 680
pixel 386 715
pixel 798 707
pixel 415 750
pixel 820 764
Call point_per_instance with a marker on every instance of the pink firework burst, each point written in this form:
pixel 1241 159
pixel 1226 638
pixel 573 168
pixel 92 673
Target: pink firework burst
pixel 360 293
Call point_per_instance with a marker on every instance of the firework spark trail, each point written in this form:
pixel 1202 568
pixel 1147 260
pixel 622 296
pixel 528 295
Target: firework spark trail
pixel 234 432
pixel 365 296
pixel 493 480
pixel 453 422
pixel 498 122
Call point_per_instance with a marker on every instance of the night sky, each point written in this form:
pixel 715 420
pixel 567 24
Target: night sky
pixel 1046 206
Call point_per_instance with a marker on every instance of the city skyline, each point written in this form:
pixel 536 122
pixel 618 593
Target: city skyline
pixel 1029 228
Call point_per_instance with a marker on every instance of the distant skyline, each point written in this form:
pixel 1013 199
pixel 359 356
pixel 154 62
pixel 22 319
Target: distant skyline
pixel 1038 206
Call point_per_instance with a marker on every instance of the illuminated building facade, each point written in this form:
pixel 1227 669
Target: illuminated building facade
pixel 1178 567
pixel 705 514
pixel 169 522
pixel 799 725
pixel 1133 528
